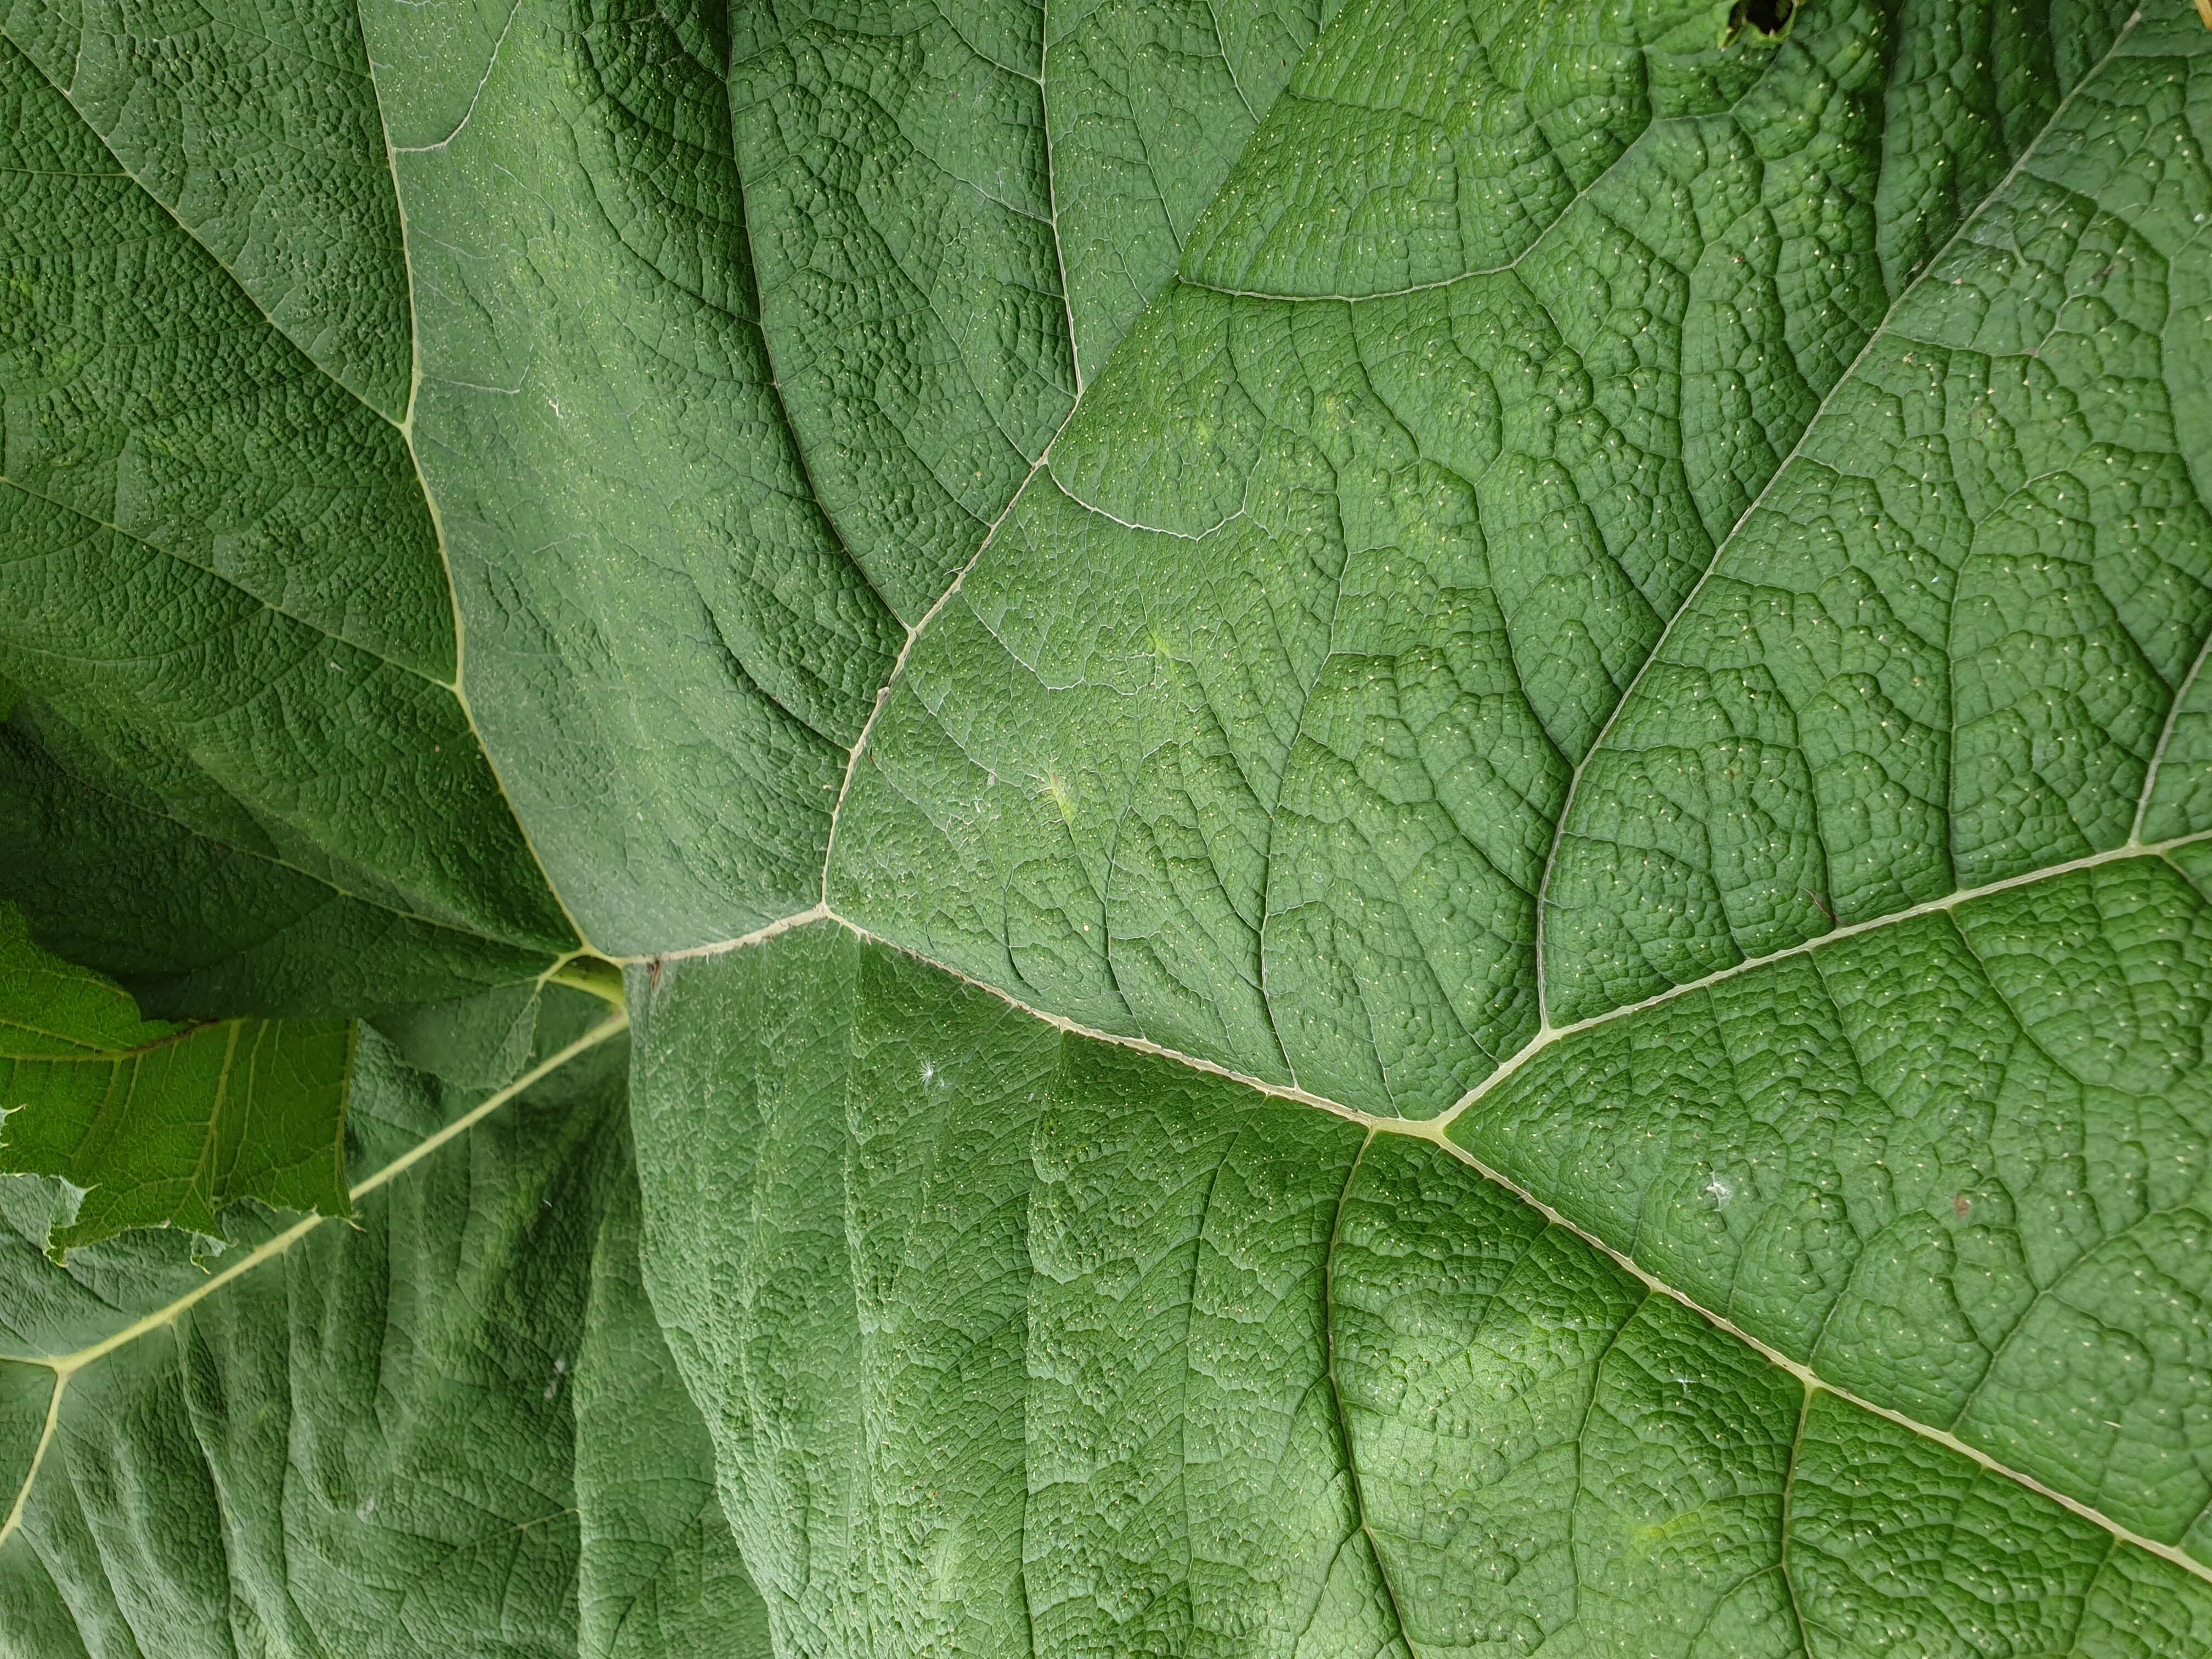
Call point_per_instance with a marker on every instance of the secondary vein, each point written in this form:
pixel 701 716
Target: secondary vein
pixel 65 1366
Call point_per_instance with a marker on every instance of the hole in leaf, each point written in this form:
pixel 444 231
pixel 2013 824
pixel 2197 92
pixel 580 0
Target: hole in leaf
pixel 1768 18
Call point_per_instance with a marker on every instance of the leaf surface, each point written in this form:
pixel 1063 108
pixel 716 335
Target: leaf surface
pixel 955 219
pixel 1614 593
pixel 221 577
pixel 1551 656
pixel 1011 1340
pixel 1677 660
pixel 162 1125
pixel 454 1428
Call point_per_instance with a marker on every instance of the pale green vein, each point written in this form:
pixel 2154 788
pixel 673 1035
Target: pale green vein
pixel 1966 222
pixel 65 1366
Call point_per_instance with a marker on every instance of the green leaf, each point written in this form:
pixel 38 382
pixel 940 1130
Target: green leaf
pixel 162 1125
pixel 451 1428
pixel 1685 561
pixel 510 254
pixel 1529 680
pixel 197 925
pixel 219 574
pixel 954 220
pixel 1781 867
pixel 1012 1340
pixel 1954 1162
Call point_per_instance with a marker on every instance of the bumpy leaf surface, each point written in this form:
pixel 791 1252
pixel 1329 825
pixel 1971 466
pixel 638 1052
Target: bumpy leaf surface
pixel 222 591
pixel 455 1430
pixel 1012 1340
pixel 1410 810
pixel 1657 569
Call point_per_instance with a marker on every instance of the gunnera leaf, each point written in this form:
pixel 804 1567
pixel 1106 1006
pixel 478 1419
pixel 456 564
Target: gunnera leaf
pixel 157 1124
pixel 1406 805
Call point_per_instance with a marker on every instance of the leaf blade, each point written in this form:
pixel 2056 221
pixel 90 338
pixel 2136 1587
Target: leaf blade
pixel 162 1125
pixel 1539 1442
pixel 268 1490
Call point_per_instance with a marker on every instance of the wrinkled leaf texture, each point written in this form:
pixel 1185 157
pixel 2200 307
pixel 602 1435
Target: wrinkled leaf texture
pixel 1409 808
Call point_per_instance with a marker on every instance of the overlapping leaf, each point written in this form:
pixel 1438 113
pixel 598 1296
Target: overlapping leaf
pixel 222 596
pixel 162 1125
pixel 454 1430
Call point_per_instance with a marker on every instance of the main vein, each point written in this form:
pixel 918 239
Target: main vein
pixel 1436 1129
pixel 65 1366
pixel 1966 222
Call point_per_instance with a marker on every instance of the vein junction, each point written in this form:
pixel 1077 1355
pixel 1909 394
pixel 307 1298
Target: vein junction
pixel 1437 1130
